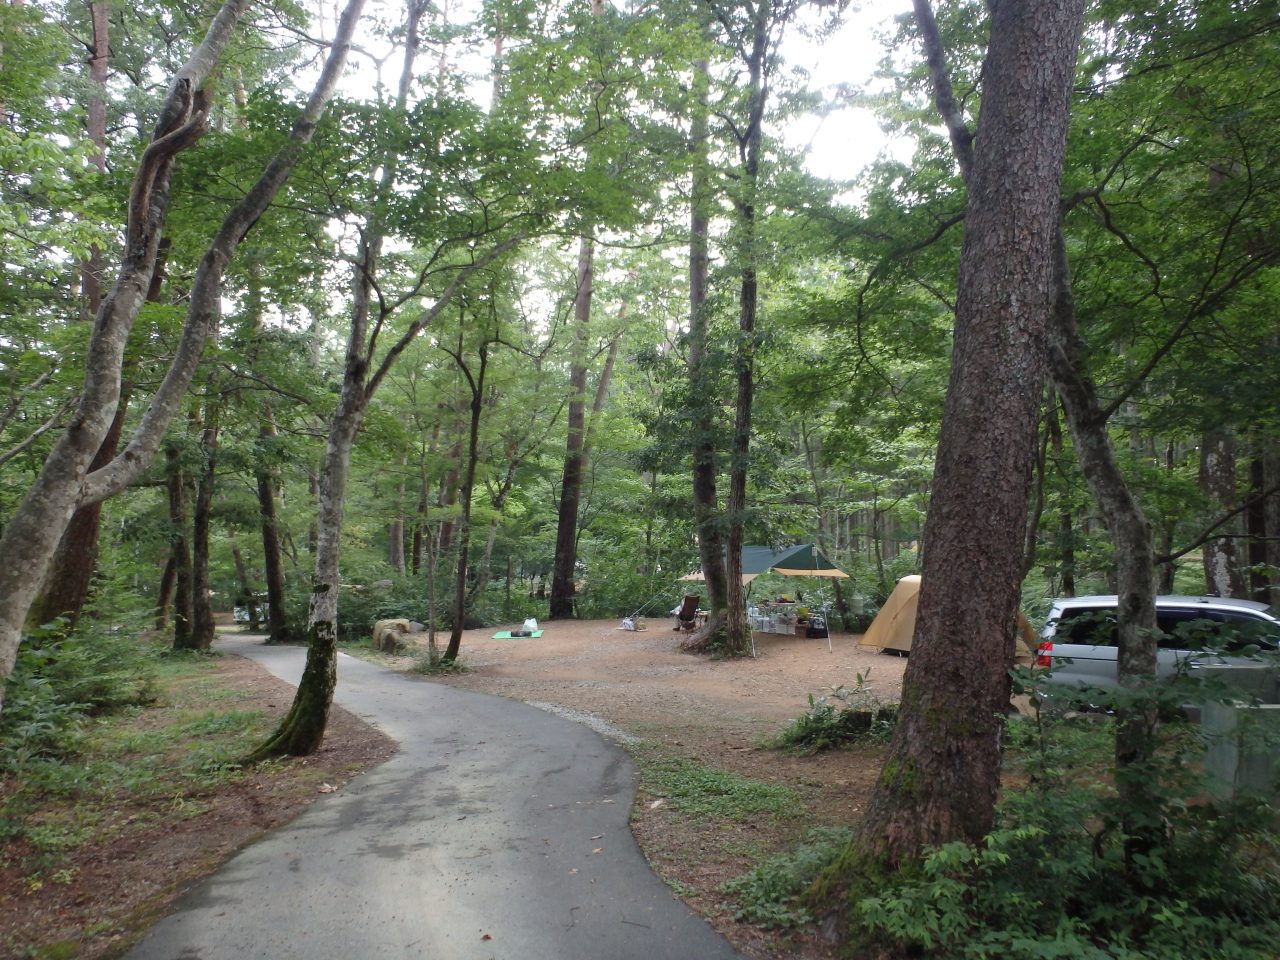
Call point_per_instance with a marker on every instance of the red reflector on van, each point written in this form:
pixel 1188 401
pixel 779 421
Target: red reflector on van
pixel 1042 654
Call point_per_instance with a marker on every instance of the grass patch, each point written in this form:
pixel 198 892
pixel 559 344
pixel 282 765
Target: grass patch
pixel 714 794
pixel 65 781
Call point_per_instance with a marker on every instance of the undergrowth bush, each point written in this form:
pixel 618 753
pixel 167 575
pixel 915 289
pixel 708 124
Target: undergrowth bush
pixel 59 681
pixel 769 894
pixel 1072 872
pixel 838 718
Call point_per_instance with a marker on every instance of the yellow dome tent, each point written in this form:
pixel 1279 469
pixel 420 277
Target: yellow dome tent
pixel 895 624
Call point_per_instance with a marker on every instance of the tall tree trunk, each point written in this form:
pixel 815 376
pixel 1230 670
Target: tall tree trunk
pixel 566 558
pixel 1271 479
pixel 272 568
pixel 66 585
pixel 1218 482
pixel 96 129
pixel 180 551
pixel 1256 526
pixel 1131 534
pixel 706 502
pixel 313 492
pixel 1066 526
pixel 395 534
pixel 164 595
pixel 302 729
pixel 247 595
pixel 202 623
pixel 30 539
pixel 737 634
pixel 464 499
pixel 420 523
pixel 942 774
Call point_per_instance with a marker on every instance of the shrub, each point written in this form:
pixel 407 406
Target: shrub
pixel 58 681
pixel 1072 871
pixel 769 894
pixel 838 718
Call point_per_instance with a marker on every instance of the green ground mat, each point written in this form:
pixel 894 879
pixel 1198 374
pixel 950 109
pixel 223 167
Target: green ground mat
pixel 506 635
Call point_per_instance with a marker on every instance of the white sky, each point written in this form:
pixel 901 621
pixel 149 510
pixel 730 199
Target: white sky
pixel 846 140
pixel 839 145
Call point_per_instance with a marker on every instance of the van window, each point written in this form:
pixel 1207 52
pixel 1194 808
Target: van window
pixel 1230 631
pixel 1089 626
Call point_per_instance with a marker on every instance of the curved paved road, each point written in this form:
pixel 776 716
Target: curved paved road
pixel 484 823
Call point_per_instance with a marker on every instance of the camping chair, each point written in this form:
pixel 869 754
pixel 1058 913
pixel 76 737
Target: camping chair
pixel 687 615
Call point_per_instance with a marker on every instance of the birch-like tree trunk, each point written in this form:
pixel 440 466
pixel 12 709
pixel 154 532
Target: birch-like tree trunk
pixel 30 539
pixel 302 729
pixel 942 775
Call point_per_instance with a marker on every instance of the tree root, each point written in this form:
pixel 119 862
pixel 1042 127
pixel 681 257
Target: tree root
pixel 709 636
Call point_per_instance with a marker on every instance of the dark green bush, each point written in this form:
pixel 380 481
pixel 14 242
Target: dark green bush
pixel 769 894
pixel 58 681
pixel 838 718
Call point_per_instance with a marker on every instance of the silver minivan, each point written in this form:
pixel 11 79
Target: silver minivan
pixel 1082 630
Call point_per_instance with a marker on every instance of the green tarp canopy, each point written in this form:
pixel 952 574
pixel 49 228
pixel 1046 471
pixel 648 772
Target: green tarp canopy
pixel 802 560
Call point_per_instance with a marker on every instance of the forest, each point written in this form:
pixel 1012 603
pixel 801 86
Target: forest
pixel 527 308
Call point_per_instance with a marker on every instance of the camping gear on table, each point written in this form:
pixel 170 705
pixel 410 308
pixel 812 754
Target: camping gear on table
pixel 817 629
pixel 895 624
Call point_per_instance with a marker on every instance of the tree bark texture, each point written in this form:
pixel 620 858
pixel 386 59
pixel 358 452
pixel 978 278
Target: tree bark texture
pixel 31 538
pixel 164 594
pixel 66 585
pixel 203 627
pixel 1256 527
pixel 96 129
pixel 1271 479
pixel 1222 576
pixel 272 568
pixel 566 557
pixel 180 551
pixel 247 595
pixel 706 501
pixel 737 632
pixel 940 780
pixel 464 499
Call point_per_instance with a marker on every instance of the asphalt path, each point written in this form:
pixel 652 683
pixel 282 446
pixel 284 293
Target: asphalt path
pixel 498 832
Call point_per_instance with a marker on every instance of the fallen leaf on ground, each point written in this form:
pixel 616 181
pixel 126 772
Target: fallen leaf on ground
pixel 657 803
pixel 487 936
pixel 597 836
pixel 597 849
pixel 326 788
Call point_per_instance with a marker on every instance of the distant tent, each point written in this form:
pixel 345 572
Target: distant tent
pixel 803 560
pixel 895 624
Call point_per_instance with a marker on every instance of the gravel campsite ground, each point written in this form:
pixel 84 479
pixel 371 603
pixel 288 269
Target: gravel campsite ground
pixel 716 713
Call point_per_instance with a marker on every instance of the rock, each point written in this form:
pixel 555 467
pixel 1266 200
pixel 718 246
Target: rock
pixel 416 627
pixel 388 634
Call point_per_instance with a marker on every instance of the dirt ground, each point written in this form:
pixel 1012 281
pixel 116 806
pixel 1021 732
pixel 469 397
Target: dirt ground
pixel 142 857
pixel 716 712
